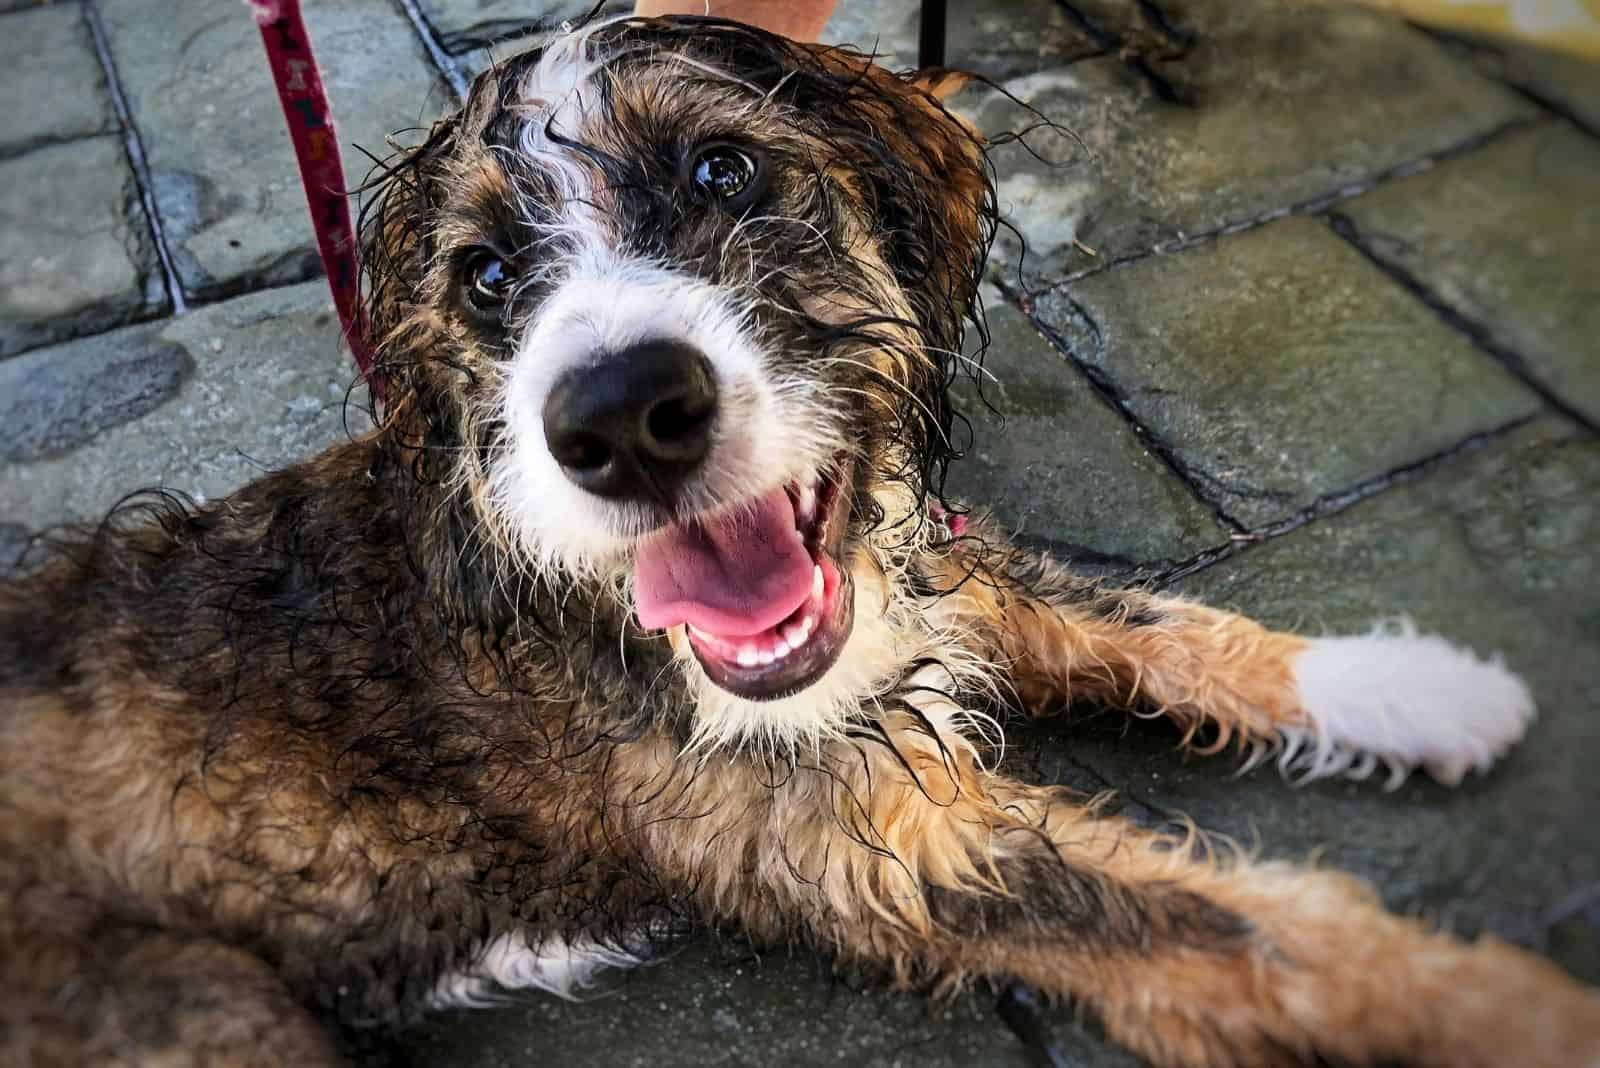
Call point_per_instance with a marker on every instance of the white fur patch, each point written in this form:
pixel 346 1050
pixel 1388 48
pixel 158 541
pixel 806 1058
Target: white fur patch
pixel 563 968
pixel 1403 700
pixel 770 428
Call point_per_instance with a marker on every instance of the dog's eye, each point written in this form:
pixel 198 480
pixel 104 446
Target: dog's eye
pixel 489 279
pixel 724 174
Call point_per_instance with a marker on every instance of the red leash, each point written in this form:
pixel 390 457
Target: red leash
pixel 316 148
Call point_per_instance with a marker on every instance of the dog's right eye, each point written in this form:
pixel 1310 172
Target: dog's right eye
pixel 489 279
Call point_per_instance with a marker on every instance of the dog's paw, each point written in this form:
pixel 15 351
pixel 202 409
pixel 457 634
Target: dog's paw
pixel 1398 699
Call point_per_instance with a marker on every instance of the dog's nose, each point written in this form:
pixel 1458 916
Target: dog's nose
pixel 637 423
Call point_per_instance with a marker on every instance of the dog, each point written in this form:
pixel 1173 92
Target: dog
pixel 640 607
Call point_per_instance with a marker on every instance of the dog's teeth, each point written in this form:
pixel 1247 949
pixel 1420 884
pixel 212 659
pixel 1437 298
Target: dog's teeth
pixel 796 634
pixel 816 582
pixel 780 650
pixel 806 507
pixel 698 633
pixel 749 657
pixel 765 657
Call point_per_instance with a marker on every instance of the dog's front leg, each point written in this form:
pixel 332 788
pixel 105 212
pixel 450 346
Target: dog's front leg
pixel 1324 705
pixel 897 849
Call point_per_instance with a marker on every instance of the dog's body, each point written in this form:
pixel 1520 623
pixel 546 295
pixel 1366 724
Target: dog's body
pixel 491 698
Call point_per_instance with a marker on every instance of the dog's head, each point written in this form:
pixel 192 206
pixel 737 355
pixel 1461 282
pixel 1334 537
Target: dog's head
pixel 679 302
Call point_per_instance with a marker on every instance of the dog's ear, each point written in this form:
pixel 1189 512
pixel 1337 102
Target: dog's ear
pixel 400 202
pixel 941 83
pixel 932 190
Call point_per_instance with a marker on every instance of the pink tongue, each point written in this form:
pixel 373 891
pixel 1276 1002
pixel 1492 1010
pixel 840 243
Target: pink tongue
pixel 733 577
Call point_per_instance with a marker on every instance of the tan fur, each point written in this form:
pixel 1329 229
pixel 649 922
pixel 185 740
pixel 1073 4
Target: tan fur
pixel 1207 670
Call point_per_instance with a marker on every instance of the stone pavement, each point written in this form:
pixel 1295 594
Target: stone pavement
pixel 1308 325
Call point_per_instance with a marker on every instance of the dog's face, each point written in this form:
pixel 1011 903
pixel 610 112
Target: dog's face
pixel 677 303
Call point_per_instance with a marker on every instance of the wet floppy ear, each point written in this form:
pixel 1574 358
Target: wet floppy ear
pixel 400 201
pixel 939 82
pixel 945 189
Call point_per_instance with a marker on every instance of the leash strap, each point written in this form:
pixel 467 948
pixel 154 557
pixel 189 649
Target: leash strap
pixel 316 149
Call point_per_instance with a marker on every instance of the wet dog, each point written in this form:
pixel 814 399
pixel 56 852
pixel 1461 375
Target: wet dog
pixel 640 608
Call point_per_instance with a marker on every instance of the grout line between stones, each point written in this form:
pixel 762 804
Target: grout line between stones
pixel 160 317
pixel 442 60
pixel 134 147
pixel 1331 504
pixel 1110 394
pixel 1454 44
pixel 1113 44
pixel 1310 206
pixel 1480 335
pixel 18 149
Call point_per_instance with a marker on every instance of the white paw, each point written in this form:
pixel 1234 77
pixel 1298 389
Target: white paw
pixel 1402 700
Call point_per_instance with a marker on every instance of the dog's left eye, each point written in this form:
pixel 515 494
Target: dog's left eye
pixel 724 174
pixel 489 279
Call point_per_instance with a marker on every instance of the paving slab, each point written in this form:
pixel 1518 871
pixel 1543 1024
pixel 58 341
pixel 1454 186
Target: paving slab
pixel 55 398
pixel 465 24
pixel 1509 237
pixel 998 39
pixel 1280 104
pixel 223 172
pixel 238 388
pixel 714 1004
pixel 1567 82
pixel 1057 465
pixel 48 54
pixel 23 5
pixel 75 251
pixel 1280 366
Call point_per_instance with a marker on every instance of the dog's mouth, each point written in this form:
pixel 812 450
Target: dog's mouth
pixel 760 588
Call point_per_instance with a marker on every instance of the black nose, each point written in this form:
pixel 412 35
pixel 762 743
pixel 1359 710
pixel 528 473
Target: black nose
pixel 636 424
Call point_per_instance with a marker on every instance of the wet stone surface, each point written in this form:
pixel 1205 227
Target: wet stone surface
pixel 1275 108
pixel 1057 464
pixel 465 24
pixel 1496 236
pixel 225 394
pixel 224 175
pixel 1569 83
pixel 51 51
pixel 718 1003
pixel 75 252
pixel 1279 366
pixel 997 40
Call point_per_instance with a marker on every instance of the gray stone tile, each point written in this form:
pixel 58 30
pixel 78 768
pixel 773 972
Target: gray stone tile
pixel 714 1006
pixel 1499 551
pixel 48 59
pixel 1278 365
pixel 1282 104
pixel 1509 237
pixel 1059 466
pixel 13 543
pixel 201 95
pixel 462 24
pixel 999 39
pixel 262 384
pixel 56 398
pixel 996 38
pixel 1569 82
pixel 75 252
pixel 24 5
